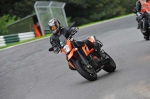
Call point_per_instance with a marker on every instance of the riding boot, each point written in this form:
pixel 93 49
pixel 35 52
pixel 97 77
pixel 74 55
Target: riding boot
pixel 149 23
pixel 143 31
pixel 139 18
pixel 138 27
pixel 100 53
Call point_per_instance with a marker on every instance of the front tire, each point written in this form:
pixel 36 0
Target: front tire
pixel 89 74
pixel 110 65
pixel 71 67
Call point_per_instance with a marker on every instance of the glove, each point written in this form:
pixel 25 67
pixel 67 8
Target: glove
pixel 74 30
pixel 51 49
pixel 135 10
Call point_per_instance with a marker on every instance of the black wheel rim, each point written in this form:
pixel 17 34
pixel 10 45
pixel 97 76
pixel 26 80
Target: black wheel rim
pixel 90 71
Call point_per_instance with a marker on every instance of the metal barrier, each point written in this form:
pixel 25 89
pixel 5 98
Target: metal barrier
pixel 7 39
pixel 26 36
pixel 2 41
pixel 46 10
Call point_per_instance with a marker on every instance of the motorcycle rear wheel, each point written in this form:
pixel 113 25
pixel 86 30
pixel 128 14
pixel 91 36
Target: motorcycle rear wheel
pixel 110 66
pixel 146 37
pixel 144 27
pixel 89 74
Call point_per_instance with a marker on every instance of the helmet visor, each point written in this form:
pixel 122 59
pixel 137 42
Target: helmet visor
pixel 53 28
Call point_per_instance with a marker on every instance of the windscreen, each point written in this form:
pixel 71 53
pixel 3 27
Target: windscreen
pixel 62 40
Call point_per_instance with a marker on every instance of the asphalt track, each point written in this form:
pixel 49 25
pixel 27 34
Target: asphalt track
pixel 29 71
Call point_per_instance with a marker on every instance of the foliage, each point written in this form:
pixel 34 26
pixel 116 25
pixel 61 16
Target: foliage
pixel 4 21
pixel 69 21
pixel 80 11
pixel 85 11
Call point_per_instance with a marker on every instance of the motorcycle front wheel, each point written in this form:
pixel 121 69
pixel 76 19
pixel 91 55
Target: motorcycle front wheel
pixel 88 73
pixel 110 65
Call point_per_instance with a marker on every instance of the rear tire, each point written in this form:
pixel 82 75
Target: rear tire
pixel 144 27
pixel 146 37
pixel 85 73
pixel 110 66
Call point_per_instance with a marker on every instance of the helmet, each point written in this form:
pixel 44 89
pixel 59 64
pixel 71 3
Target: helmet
pixel 54 25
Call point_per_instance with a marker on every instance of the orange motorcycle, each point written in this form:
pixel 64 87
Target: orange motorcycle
pixel 84 59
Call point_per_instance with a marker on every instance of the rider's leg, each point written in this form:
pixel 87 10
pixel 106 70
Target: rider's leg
pixel 139 17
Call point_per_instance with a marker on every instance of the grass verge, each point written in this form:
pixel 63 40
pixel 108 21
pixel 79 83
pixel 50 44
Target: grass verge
pixel 25 41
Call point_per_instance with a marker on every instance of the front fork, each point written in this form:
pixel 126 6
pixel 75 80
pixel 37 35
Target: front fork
pixel 87 61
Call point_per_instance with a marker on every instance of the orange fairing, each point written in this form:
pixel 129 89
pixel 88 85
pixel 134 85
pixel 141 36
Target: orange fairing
pixel 71 65
pixel 95 57
pixel 86 50
pixel 91 40
pixel 69 44
pixel 71 53
pixel 145 6
pixel 62 50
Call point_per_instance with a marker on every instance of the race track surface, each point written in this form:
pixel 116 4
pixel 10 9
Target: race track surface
pixel 29 71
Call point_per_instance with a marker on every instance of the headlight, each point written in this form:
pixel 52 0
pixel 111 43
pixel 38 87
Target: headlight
pixel 66 48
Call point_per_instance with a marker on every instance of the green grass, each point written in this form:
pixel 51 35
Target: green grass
pixel 104 20
pixel 47 35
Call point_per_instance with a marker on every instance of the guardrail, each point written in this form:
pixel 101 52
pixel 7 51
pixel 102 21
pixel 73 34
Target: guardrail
pixel 6 39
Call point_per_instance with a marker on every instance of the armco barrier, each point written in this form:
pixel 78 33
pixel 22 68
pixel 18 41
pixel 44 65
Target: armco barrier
pixel 6 39
pixel 2 41
pixel 11 38
pixel 26 36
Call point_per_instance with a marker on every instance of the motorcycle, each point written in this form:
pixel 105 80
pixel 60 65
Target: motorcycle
pixel 84 59
pixel 144 16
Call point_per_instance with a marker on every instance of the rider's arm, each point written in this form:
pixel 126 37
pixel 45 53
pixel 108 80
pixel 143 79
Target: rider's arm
pixel 66 31
pixel 70 31
pixel 137 8
pixel 52 42
pixel 73 30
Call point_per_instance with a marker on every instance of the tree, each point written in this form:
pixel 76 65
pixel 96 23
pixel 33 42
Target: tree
pixel 4 21
pixel 81 11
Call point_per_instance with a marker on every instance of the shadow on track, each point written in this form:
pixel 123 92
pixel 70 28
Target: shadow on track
pixel 100 77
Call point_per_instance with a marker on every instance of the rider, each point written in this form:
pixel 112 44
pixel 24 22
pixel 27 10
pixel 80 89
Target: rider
pixel 57 30
pixel 137 10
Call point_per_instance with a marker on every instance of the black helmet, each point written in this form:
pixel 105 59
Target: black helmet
pixel 54 25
